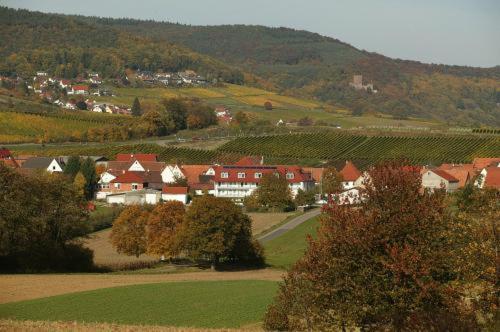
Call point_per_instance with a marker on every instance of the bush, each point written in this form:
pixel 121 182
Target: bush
pixel 268 106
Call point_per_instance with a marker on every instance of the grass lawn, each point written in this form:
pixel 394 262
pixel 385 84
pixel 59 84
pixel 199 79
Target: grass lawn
pixel 208 304
pixel 286 249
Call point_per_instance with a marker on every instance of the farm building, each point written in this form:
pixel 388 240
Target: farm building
pixel 144 196
pixel 438 179
pixel 179 194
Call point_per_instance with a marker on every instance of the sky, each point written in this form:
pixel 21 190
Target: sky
pixel 456 32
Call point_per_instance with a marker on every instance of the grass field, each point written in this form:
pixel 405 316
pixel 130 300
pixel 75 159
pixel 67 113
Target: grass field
pixel 286 249
pixel 191 304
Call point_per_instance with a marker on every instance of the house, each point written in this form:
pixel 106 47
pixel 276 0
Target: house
pixel 237 182
pixel 351 176
pixel 141 197
pixel 480 163
pixel 463 172
pixel 489 177
pixel 172 173
pixel 64 84
pixel 48 164
pixel 438 179
pixel 79 90
pixel 316 173
pixel 7 159
pixel 179 194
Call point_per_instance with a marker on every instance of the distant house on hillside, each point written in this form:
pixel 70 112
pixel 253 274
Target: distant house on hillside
pixel 357 84
pixel 48 164
pixel 78 90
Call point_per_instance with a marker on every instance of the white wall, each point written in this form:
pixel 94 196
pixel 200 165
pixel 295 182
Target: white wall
pixel 175 197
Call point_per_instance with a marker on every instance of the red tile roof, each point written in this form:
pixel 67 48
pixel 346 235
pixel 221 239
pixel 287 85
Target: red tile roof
pixel 317 173
pixel 492 179
pixel 250 161
pixel 193 172
pixel 480 163
pixel 250 171
pixel 175 190
pixel 462 172
pixel 128 177
pixel 445 175
pixel 4 153
pixel 80 87
pixel 350 172
pixel 138 156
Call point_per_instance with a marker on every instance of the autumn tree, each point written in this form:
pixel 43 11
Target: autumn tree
pixel 216 229
pixel 80 183
pixel 241 118
pixel 274 193
pixel 128 234
pixel 478 245
pixel 331 182
pixel 136 107
pixel 163 228
pixel 268 106
pixel 385 265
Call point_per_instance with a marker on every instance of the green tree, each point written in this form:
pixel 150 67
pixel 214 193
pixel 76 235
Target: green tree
pixel 387 265
pixel 177 110
pixel 41 224
pixel 88 170
pixel 136 107
pixel 155 123
pixel 163 229
pixel 305 198
pixel 274 193
pixel 72 166
pixel 128 234
pixel 215 229
pixel 241 118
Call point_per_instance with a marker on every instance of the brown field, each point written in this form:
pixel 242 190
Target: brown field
pixel 18 326
pixel 106 255
pixel 263 221
pixel 31 286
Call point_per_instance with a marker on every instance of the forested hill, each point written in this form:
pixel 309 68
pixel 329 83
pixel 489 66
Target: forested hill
pixel 67 47
pixel 310 65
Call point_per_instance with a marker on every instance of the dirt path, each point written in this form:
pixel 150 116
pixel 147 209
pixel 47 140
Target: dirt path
pixel 31 286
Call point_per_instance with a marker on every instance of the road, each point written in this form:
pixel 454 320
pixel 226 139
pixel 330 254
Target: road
pixel 289 225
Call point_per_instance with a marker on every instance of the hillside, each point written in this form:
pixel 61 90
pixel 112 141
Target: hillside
pixel 306 64
pixel 65 47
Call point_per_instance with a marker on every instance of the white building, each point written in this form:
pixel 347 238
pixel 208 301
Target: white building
pixel 179 194
pixel 438 179
pixel 50 165
pixel 141 197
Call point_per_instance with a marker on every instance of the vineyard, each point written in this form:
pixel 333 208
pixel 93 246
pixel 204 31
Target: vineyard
pixel 334 146
pixel 307 149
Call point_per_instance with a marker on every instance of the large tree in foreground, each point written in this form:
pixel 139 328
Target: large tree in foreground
pixel 385 265
pixel 128 234
pixel 216 229
pixel 163 228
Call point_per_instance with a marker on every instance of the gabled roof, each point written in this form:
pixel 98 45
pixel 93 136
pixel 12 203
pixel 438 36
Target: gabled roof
pixel 316 172
pixel 138 156
pixel 193 172
pixel 80 87
pixel 250 161
pixel 480 163
pixel 37 162
pixel 444 174
pixel 128 177
pixel 492 179
pixel 462 172
pixel 175 190
pixel 350 172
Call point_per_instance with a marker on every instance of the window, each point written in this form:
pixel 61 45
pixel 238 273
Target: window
pixel 258 175
pixel 117 185
pixel 241 175
pixel 54 168
pixel 289 176
pixel 105 185
pixel 134 186
pixel 224 175
pixel 242 184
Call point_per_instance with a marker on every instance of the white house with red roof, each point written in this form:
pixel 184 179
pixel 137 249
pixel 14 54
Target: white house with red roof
pixel 351 175
pixel 489 176
pixel 78 90
pixel 439 179
pixel 239 181
pixel 179 194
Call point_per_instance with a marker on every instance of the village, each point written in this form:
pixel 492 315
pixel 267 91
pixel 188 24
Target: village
pixel 77 93
pixel 143 179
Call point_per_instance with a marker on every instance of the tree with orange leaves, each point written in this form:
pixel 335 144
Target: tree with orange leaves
pixel 385 265
pixel 163 227
pixel 128 234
